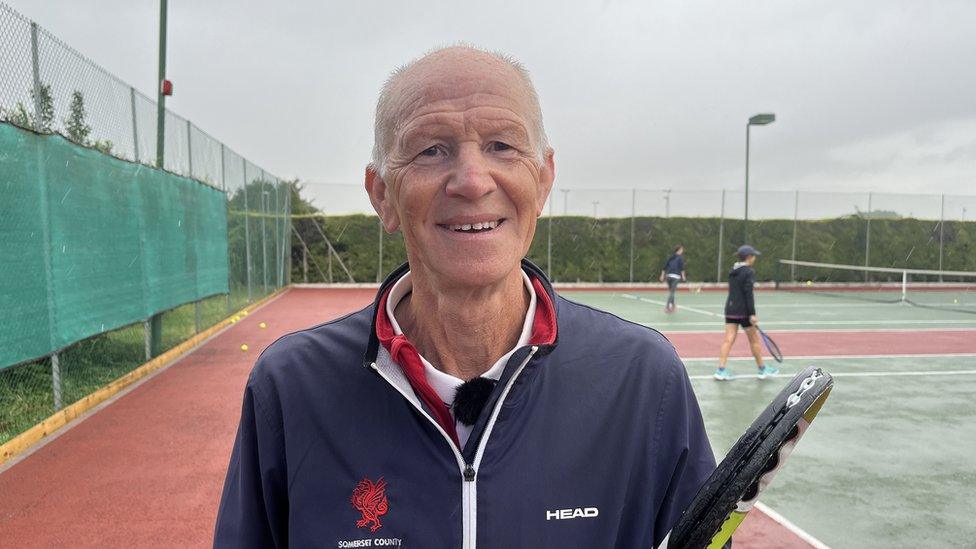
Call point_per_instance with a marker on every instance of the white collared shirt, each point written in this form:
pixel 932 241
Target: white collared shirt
pixel 445 385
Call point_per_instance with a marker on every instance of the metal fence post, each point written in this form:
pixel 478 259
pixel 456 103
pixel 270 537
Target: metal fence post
pixel 796 213
pixel 867 240
pixel 549 242
pixel 56 380
pixel 379 266
pixel 264 232
pixel 247 232
pixel 36 68
pixel 223 187
pixel 721 235
pixel 941 234
pixel 135 125
pixel 633 220
pixel 189 151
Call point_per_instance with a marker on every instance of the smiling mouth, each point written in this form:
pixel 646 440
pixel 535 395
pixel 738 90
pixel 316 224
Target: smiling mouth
pixel 475 227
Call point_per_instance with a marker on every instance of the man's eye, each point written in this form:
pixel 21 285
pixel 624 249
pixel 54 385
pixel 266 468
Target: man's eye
pixel 498 146
pixel 430 151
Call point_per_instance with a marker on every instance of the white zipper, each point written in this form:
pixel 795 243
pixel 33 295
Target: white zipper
pixel 469 489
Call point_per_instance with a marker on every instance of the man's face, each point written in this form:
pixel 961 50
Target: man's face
pixel 462 180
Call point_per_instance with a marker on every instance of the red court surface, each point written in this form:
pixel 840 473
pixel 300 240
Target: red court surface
pixel 147 469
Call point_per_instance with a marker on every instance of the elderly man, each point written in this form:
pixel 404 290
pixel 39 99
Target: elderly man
pixel 470 405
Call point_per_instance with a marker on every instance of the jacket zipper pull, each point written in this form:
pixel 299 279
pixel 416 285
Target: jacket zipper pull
pixel 469 473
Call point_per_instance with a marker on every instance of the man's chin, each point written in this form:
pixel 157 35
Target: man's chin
pixel 461 272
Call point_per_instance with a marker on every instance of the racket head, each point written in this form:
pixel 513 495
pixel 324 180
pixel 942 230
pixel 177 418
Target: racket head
pixel 771 346
pixel 734 487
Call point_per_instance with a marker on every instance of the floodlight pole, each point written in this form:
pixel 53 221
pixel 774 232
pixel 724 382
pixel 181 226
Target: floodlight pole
pixel 160 97
pixel 756 120
pixel 155 324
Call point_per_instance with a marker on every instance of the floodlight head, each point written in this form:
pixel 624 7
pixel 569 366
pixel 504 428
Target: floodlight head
pixel 762 119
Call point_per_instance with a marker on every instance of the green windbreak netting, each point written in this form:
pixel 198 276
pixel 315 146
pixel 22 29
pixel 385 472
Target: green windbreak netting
pixel 89 243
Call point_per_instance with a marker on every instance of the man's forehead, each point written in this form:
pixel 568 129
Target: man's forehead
pixel 468 79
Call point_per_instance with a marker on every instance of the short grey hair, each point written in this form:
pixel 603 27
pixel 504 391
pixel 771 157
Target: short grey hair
pixel 387 107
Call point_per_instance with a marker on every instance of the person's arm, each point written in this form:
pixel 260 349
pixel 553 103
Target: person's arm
pixel 747 293
pixel 254 505
pixel 682 451
pixel 681 267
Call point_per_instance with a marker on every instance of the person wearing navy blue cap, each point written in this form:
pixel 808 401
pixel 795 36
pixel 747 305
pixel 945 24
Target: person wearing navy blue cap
pixel 740 310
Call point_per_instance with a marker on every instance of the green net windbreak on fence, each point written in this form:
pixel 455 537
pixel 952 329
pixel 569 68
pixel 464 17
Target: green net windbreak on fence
pixel 91 243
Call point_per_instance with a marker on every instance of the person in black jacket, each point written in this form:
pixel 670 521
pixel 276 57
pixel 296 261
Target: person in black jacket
pixel 673 272
pixel 740 310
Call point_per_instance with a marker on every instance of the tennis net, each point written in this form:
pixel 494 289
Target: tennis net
pixel 947 290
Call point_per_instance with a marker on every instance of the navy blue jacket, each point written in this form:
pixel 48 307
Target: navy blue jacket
pixel 594 441
pixel 675 264
pixel 741 302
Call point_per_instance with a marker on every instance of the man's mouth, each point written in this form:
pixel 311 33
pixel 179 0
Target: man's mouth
pixel 481 227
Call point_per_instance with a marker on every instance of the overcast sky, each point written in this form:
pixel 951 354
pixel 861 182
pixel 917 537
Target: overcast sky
pixel 868 95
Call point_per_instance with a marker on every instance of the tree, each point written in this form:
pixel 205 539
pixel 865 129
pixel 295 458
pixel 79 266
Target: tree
pixel 24 117
pixel 78 129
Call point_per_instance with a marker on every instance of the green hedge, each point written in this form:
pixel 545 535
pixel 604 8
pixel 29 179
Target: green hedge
pixel 587 249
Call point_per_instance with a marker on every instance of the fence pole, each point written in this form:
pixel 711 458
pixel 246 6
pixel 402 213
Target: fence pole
pixel 379 265
pixel 549 241
pixel 56 380
pixel 721 235
pixel 160 97
pixel 264 232
pixel 135 125
pixel 247 232
pixel 867 240
pixel 796 213
pixel 36 69
pixel 189 150
pixel 633 220
pixel 223 187
pixel 941 234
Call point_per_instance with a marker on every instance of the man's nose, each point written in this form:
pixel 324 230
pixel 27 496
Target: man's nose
pixel 472 177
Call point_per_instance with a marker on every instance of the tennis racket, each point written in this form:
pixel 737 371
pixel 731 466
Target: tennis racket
pixel 734 487
pixel 771 345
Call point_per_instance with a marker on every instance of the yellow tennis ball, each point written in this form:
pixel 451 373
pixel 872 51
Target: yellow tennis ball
pixel 263 325
pixel 955 301
pixel 244 347
pixel 244 312
pixel 809 283
pixel 697 290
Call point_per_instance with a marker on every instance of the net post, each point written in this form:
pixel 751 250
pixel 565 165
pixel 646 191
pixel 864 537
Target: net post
pixel 904 286
pixel 721 235
pixel 633 219
pixel 941 235
pixel 796 215
pixel 135 125
pixel 36 73
pixel 56 380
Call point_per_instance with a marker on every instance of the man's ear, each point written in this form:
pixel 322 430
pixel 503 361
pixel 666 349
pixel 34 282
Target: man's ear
pixel 377 189
pixel 546 177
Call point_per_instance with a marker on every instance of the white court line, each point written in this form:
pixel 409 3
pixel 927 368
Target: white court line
pixel 862 374
pixel 663 325
pixel 662 303
pixel 841 357
pixel 782 521
pixel 834 330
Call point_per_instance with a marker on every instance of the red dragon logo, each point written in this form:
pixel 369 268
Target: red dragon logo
pixel 369 498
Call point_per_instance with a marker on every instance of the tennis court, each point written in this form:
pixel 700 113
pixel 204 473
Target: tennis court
pixel 889 461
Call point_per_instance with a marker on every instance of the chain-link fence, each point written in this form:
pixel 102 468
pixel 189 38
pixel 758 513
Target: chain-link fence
pixel 625 235
pixel 52 90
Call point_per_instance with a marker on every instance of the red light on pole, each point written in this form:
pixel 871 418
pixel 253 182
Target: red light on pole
pixel 166 87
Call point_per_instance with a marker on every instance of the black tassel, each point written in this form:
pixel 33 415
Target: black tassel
pixel 470 399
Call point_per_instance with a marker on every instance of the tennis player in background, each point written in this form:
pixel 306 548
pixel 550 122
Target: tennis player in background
pixel 674 273
pixel 740 310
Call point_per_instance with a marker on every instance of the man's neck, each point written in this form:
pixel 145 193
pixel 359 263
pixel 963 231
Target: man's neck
pixel 463 332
